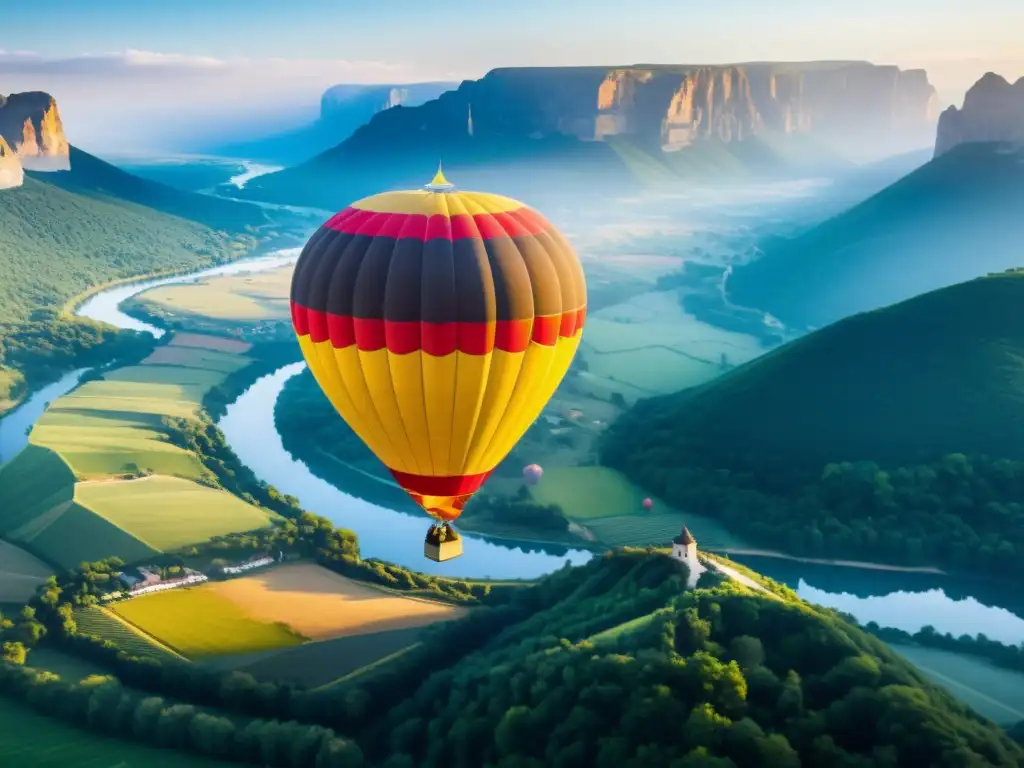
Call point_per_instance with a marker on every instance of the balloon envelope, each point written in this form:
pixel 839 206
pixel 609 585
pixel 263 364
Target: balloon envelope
pixel 532 474
pixel 648 503
pixel 438 323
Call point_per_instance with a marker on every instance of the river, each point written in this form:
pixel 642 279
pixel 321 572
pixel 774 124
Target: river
pixel 904 601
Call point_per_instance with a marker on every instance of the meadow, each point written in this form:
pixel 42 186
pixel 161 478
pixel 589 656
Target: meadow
pixel 103 622
pixel 321 604
pixel 198 623
pixel 232 298
pixel 70 669
pixel 70 495
pixel 611 508
pixel 20 574
pixel 167 513
pixel 648 345
pixel 30 740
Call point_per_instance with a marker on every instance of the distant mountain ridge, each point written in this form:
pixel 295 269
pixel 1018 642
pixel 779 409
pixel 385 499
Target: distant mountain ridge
pixel 954 218
pixel 31 126
pixel 643 119
pixel 993 111
pixel 343 108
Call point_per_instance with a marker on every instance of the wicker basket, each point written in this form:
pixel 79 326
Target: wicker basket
pixel 439 551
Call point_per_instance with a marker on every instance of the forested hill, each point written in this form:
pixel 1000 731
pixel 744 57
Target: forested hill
pixel 609 665
pixel 54 244
pixel 96 178
pixel 896 434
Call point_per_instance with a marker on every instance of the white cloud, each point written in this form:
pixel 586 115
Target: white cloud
pixel 153 99
pixel 148 64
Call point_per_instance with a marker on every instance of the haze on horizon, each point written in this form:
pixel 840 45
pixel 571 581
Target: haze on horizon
pixel 144 77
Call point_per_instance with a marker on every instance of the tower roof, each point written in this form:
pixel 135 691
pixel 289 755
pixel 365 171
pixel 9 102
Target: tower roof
pixel 684 538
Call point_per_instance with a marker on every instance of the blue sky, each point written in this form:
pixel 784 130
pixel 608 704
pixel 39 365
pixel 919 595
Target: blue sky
pixel 152 58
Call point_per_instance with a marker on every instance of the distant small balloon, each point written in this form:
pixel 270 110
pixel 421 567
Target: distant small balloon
pixel 532 474
pixel 648 503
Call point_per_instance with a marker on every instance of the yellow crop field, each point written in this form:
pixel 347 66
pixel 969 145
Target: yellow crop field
pixel 321 604
pixel 199 623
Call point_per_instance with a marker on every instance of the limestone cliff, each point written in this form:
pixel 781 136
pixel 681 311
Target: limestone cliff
pixel 993 111
pixel 11 172
pixel 30 124
pixel 857 107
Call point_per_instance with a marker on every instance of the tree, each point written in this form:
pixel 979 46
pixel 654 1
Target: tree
pixel 747 651
pixel 13 653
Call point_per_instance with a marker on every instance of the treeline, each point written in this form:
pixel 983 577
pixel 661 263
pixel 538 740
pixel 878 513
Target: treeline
pixel 46 347
pixel 518 510
pixel 633 671
pixel 1000 654
pixel 230 714
pixel 959 512
pixel 608 665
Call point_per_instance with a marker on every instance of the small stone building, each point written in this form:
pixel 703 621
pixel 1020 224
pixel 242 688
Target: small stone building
pixel 684 549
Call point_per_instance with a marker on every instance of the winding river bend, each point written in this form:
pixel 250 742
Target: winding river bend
pixel 904 601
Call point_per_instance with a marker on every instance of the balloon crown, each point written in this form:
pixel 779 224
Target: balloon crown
pixel 439 183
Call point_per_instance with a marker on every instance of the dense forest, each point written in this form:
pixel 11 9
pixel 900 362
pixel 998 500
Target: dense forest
pixel 894 435
pixel 612 664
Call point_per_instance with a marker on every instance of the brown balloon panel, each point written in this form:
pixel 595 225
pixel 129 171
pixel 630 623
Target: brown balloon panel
pixel 439 323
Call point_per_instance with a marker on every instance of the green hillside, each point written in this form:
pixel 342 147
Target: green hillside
pixel 608 665
pixel 955 218
pixel 896 434
pixel 55 243
pixel 98 179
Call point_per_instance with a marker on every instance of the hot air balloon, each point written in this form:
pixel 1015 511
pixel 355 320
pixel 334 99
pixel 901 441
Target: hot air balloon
pixel 532 474
pixel 438 323
pixel 647 504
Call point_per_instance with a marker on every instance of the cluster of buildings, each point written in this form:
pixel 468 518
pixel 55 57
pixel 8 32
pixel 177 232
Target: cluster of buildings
pixel 145 579
pixel 253 562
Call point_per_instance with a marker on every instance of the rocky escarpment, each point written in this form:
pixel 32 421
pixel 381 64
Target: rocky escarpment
pixel 345 103
pixel 30 124
pixel 11 172
pixel 856 107
pixel 993 111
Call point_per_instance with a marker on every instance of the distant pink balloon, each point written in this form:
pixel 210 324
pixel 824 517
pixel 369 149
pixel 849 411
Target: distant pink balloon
pixel 648 503
pixel 532 474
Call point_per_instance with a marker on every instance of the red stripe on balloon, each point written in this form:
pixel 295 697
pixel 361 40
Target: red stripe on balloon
pixel 437 339
pixel 436 485
pixel 487 226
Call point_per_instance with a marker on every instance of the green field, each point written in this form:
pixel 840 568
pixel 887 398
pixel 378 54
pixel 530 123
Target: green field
pixel 70 534
pixel 111 427
pixel 610 507
pixel 586 493
pixel 30 740
pixel 198 623
pixel 20 574
pixel 649 345
pixel 70 669
pixel 317 664
pixel 169 512
pixel 996 693
pixel 104 623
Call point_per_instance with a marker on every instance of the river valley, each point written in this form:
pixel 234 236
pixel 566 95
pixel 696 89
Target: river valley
pixel 907 601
